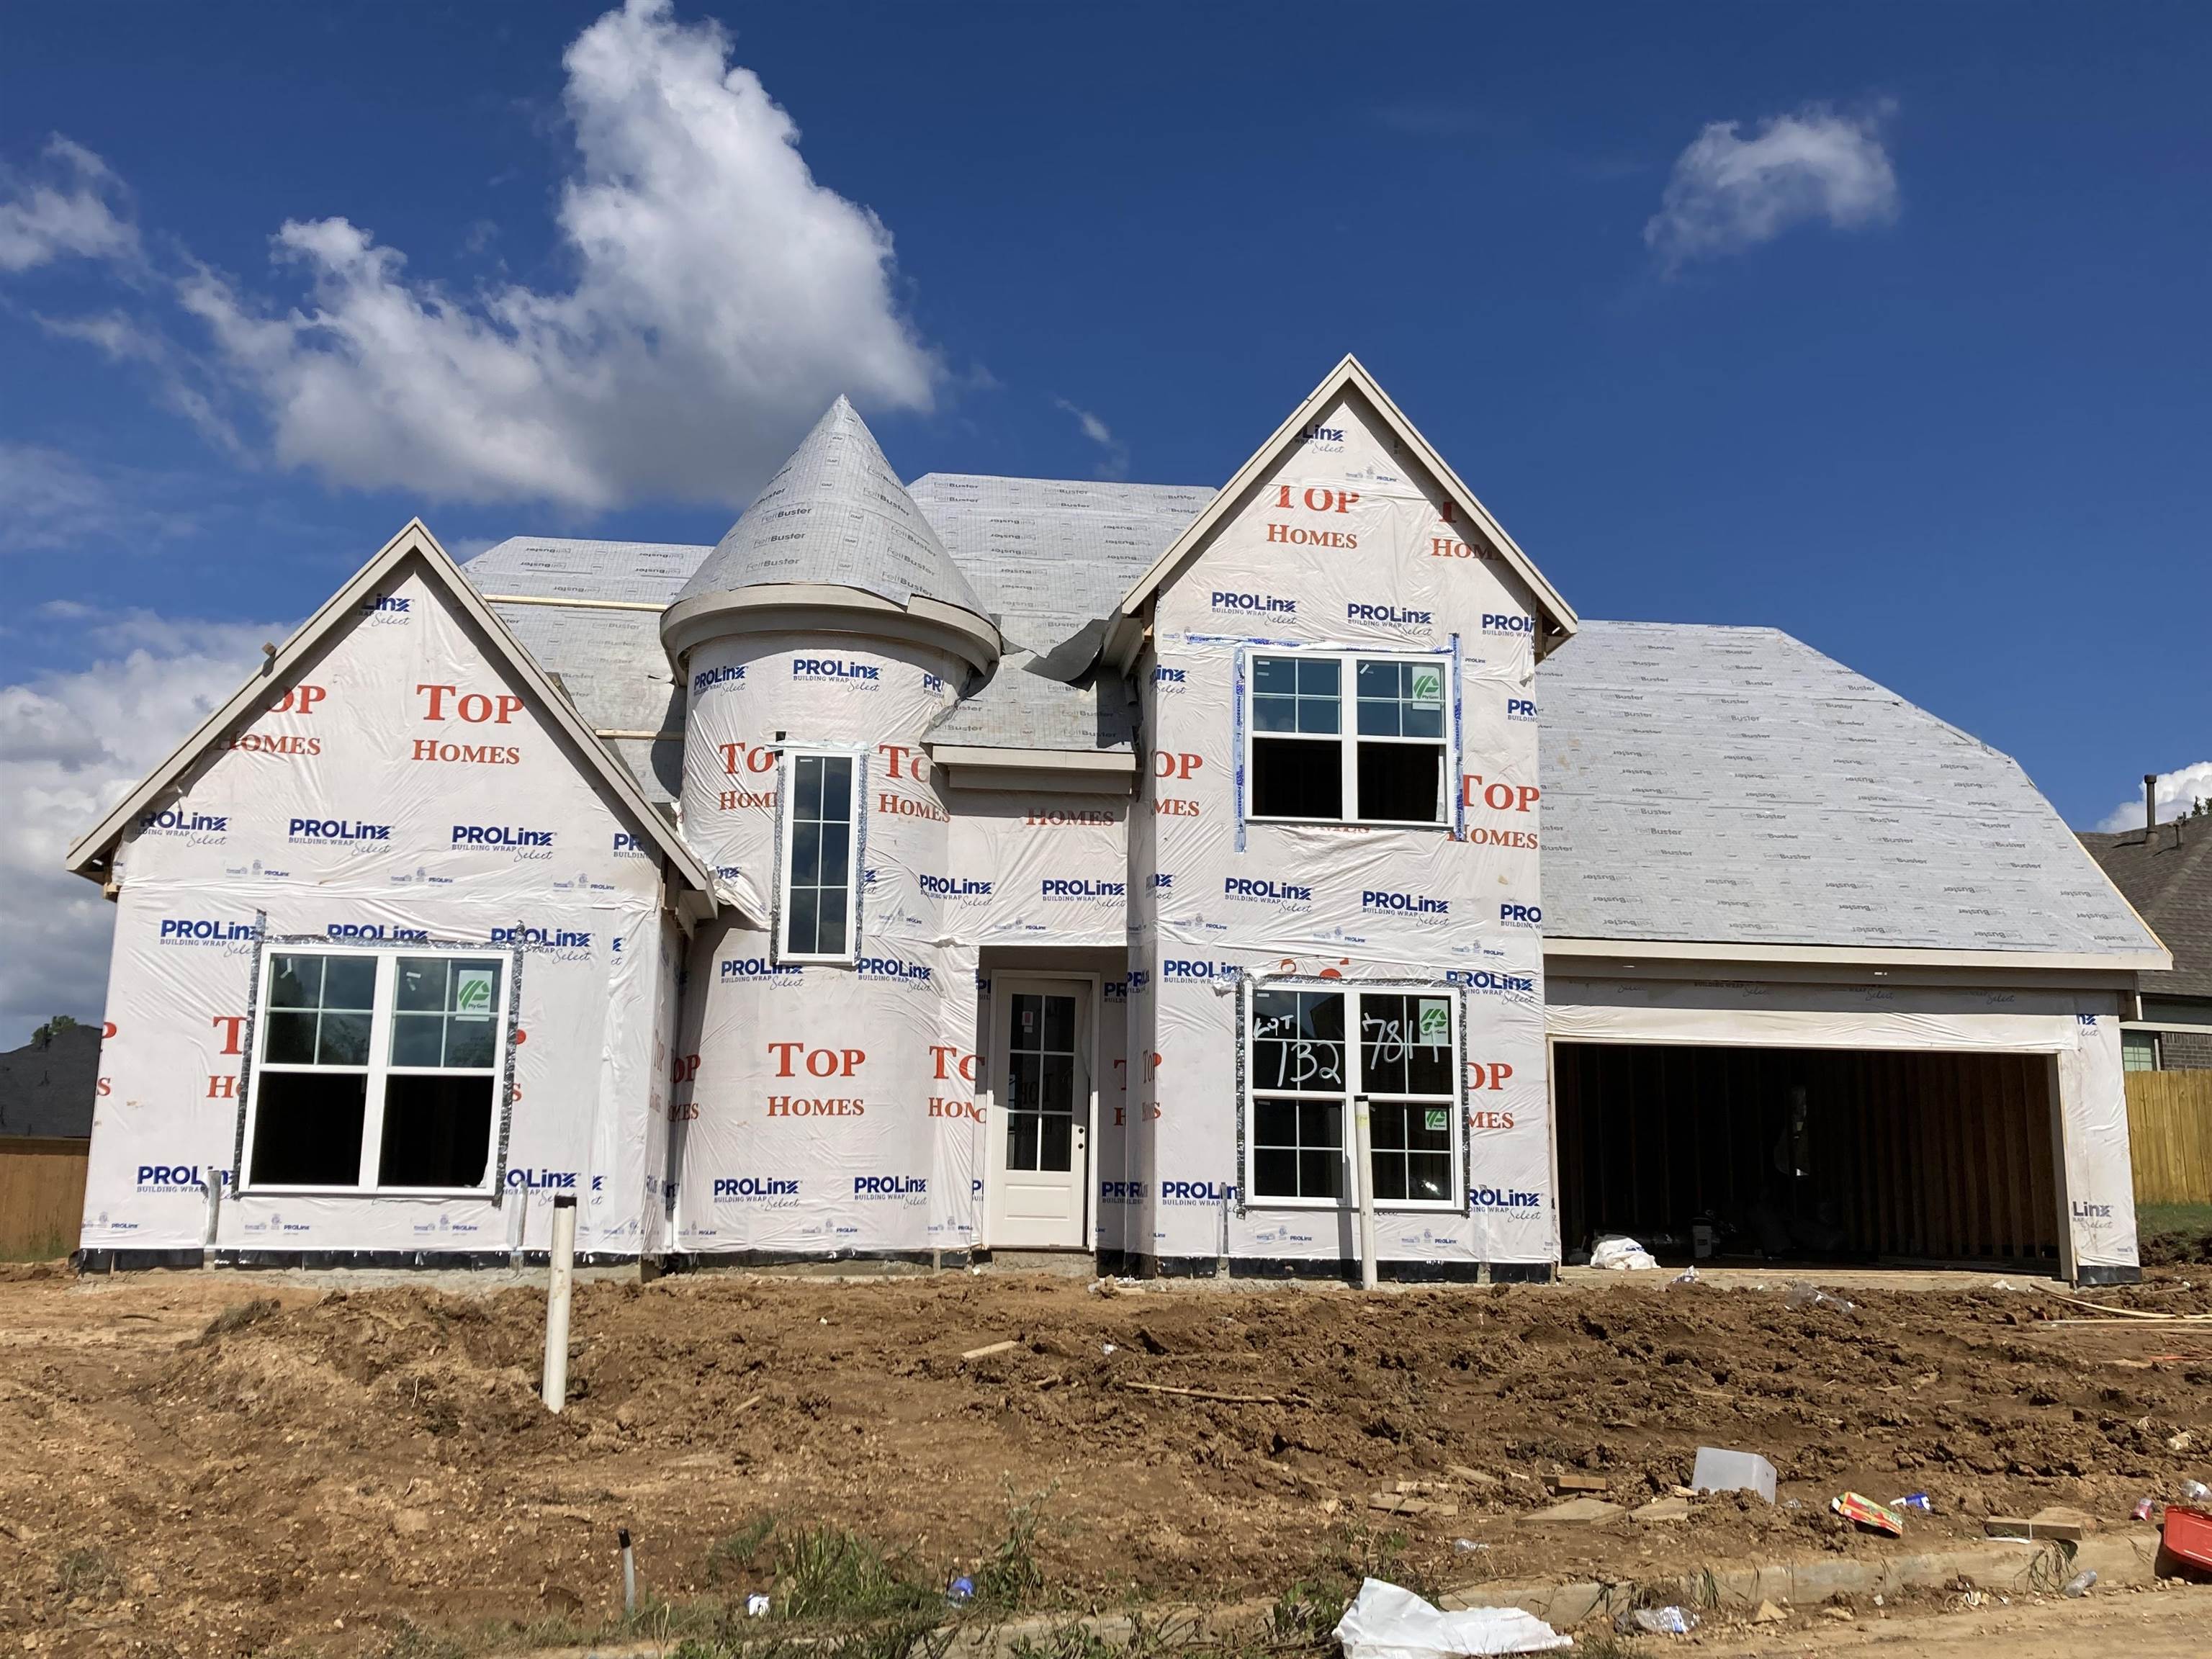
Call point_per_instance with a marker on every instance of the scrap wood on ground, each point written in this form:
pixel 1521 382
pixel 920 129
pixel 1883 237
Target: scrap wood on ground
pixel 208 1482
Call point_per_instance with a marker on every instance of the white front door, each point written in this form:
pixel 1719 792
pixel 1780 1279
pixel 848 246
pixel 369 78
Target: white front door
pixel 1041 1132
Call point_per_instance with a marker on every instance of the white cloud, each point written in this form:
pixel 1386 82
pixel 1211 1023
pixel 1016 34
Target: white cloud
pixel 2177 791
pixel 1727 193
pixel 722 298
pixel 71 206
pixel 71 744
pixel 1114 460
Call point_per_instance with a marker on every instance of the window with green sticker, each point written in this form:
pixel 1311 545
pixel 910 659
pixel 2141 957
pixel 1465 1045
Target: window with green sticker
pixel 378 1071
pixel 1337 737
pixel 1304 1069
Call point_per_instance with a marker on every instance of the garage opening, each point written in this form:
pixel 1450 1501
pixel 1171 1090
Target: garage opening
pixel 1835 1154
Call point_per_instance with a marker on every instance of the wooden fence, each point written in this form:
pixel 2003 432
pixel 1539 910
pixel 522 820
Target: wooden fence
pixel 2169 1136
pixel 41 1195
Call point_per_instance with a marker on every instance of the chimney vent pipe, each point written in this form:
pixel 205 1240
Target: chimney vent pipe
pixel 2150 804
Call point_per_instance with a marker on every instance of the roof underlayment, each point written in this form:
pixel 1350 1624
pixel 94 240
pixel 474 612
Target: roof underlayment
pixel 835 514
pixel 1724 785
pixel 1733 784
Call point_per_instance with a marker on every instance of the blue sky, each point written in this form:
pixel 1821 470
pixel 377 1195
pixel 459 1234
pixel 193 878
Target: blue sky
pixel 1883 325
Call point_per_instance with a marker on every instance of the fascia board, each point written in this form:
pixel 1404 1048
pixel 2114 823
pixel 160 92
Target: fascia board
pixel 1629 950
pixel 1349 374
pixel 826 607
pixel 1067 760
pixel 414 540
pixel 1062 771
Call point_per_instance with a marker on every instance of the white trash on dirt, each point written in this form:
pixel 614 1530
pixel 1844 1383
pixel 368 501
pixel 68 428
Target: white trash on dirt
pixel 1658 1621
pixel 1720 1470
pixel 1387 1622
pixel 1621 1254
pixel 1800 1297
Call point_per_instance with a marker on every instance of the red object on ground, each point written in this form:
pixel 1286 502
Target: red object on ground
pixel 2188 1535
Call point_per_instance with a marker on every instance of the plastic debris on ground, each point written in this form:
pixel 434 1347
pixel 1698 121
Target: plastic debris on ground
pixel 1812 1296
pixel 1387 1622
pixel 2187 1533
pixel 1468 1545
pixel 1658 1621
pixel 1854 1506
pixel 756 1605
pixel 1687 1276
pixel 2197 1492
pixel 1621 1255
pixel 1913 1500
pixel 1718 1470
pixel 961 1590
pixel 2079 1584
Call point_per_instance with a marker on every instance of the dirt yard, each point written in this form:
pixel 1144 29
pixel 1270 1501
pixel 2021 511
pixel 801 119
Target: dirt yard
pixel 190 1471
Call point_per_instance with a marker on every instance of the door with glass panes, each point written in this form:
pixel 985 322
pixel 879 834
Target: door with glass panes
pixel 1041 1111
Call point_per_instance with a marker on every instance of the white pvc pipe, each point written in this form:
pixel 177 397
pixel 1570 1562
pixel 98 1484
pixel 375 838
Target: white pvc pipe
pixel 556 1389
pixel 1363 1175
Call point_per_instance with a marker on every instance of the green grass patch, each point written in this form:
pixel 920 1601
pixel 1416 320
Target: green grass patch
pixel 2173 1235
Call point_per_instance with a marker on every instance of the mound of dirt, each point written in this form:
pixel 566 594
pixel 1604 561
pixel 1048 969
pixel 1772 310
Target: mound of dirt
pixel 209 1482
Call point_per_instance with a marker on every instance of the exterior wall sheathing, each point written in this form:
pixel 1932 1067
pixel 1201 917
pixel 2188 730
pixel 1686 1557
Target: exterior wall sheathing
pixel 400 788
pixel 1342 544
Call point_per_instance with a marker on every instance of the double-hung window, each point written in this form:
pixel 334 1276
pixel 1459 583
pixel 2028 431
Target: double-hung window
pixel 1349 738
pixel 376 1071
pixel 1311 1054
pixel 820 833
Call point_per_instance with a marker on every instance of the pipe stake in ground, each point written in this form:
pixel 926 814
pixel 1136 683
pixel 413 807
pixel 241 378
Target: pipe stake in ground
pixel 555 1387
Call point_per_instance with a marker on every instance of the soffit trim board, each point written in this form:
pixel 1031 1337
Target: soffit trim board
pixel 1351 373
pixel 413 541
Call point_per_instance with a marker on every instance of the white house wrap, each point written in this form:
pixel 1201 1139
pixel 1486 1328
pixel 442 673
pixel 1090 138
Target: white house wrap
pixel 994 863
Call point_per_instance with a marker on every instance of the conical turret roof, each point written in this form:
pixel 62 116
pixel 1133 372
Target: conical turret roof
pixel 836 514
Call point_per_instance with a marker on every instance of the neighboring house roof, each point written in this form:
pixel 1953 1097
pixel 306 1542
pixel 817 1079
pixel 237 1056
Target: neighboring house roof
pixel 1735 786
pixel 835 514
pixel 89 857
pixel 2168 876
pixel 46 1087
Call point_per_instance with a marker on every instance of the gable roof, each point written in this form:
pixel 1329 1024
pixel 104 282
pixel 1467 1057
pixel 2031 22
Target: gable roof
pixel 1732 785
pixel 836 514
pixel 2167 874
pixel 91 851
pixel 1350 375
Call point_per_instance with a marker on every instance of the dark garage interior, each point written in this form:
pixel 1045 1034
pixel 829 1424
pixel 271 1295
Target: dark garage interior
pixel 1808 1154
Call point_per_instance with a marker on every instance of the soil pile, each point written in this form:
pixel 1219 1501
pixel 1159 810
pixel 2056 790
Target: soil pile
pixel 205 1465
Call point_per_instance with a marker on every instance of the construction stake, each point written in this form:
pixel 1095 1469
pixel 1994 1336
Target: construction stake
pixel 555 1390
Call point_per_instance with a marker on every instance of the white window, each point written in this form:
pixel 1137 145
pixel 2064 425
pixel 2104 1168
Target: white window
pixel 376 1071
pixel 820 830
pixel 1349 738
pixel 1304 1070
